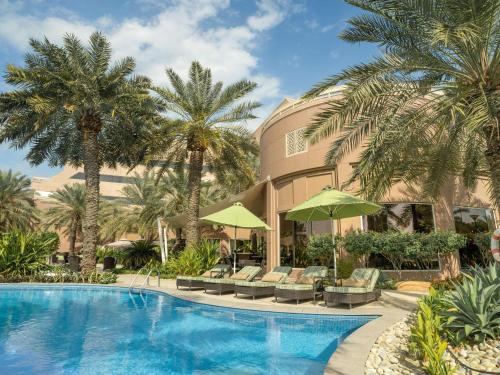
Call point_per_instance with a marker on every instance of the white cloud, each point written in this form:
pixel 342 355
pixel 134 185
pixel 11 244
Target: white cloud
pixel 311 24
pixel 177 35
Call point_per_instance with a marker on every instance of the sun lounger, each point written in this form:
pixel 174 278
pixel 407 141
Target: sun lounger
pixel 264 287
pixel 197 282
pixel 308 286
pixel 224 285
pixel 359 288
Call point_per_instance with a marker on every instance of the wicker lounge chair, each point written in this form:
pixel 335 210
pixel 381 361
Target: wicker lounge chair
pixel 262 287
pixel 224 285
pixel 197 282
pixel 354 294
pixel 308 286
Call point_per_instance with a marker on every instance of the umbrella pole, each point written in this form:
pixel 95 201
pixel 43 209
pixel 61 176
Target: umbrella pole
pixel 334 252
pixel 234 252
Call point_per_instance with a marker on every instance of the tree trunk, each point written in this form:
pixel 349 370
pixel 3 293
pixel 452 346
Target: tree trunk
pixel 72 238
pixel 90 226
pixel 493 159
pixel 194 187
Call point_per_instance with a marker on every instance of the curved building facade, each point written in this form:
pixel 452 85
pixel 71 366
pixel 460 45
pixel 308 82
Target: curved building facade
pixel 295 171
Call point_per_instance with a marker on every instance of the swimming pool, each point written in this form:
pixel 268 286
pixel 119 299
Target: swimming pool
pixel 105 330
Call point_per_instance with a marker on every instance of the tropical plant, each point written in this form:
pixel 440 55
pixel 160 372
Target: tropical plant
pixel 359 244
pixel 71 106
pixel 474 306
pixel 67 211
pixel 426 342
pixel 22 254
pixel 483 242
pixel 194 260
pixel 205 132
pixel 435 243
pixel 428 108
pixel 398 247
pixel 103 252
pixel 17 207
pixel 139 254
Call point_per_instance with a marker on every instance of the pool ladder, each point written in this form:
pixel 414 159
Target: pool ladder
pixel 146 280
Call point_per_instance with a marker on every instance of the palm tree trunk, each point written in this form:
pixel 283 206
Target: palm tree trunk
pixel 194 188
pixel 493 159
pixel 72 238
pixel 90 226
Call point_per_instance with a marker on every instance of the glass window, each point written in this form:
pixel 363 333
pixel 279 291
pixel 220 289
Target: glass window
pixel 473 220
pixel 407 217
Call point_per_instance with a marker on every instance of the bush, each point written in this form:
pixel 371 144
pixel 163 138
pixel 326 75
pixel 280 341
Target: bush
pixel 483 242
pixel 473 307
pixel 360 244
pixel 193 261
pixel 22 254
pixel 141 253
pixel 344 268
pixel 103 252
pixel 321 250
pixel 425 340
pixel 438 242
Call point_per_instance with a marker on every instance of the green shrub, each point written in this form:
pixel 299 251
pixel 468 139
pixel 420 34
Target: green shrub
pixel 398 247
pixel 360 244
pixel 344 268
pixel 22 254
pixel 474 306
pixel 193 261
pixel 438 242
pixel 425 340
pixel 103 252
pixel 321 250
pixel 139 254
pixel 385 282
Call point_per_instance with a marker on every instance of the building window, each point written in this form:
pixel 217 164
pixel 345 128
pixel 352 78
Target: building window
pixel 296 142
pixel 473 220
pixel 406 217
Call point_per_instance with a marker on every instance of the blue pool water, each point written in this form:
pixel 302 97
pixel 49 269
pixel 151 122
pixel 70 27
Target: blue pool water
pixel 98 330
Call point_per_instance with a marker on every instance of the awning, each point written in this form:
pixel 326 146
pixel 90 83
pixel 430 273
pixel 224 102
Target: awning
pixel 254 199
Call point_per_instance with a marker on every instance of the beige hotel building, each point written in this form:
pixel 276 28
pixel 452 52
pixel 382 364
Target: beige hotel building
pixel 293 170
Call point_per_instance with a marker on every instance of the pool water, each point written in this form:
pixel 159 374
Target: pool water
pixel 101 330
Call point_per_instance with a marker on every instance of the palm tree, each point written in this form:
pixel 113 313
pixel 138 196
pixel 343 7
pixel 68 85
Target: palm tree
pixel 428 109
pixel 205 131
pixel 17 207
pixel 71 106
pixel 67 212
pixel 142 204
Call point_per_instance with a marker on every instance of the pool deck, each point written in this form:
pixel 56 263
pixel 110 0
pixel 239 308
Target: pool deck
pixel 350 356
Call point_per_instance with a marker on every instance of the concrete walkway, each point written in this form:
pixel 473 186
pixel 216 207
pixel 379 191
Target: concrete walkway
pixel 350 356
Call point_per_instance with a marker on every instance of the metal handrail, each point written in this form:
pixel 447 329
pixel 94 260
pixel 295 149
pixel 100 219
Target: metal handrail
pixel 135 278
pixel 146 280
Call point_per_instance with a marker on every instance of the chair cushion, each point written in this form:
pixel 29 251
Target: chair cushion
pixel 273 277
pixel 346 289
pixel 239 276
pixel 305 280
pixel 355 283
pixel 316 271
pixel 283 269
pixel 190 277
pixel 218 281
pixel 254 284
pixel 294 286
pixel 207 273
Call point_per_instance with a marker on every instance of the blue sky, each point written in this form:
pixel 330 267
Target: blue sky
pixel 284 45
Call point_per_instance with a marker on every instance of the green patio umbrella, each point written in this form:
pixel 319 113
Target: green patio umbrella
pixel 236 216
pixel 331 204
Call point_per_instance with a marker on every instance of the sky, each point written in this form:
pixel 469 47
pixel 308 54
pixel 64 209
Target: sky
pixel 285 46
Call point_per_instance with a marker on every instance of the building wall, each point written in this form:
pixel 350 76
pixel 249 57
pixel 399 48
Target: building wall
pixel 296 178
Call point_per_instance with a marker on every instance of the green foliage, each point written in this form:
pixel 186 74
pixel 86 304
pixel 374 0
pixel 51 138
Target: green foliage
pixel 483 242
pixel 103 251
pixel 17 207
pixel 22 254
pixel 321 250
pixel 60 274
pixel 359 244
pixel 194 260
pixel 139 254
pixel 474 306
pixel 425 340
pixel 398 247
pixel 385 282
pixel 438 242
pixel 345 267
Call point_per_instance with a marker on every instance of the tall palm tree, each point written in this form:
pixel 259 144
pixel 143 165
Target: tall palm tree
pixel 72 106
pixel 17 207
pixel 206 131
pixel 142 203
pixel 428 108
pixel 67 212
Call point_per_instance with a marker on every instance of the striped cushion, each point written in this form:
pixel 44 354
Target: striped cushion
pixel 346 289
pixel 256 284
pixel 190 278
pixel 218 281
pixel 316 271
pixel 294 286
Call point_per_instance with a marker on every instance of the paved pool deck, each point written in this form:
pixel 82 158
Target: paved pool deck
pixel 350 356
